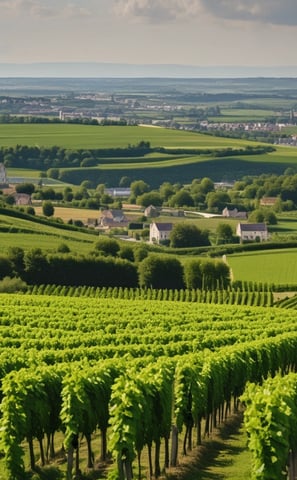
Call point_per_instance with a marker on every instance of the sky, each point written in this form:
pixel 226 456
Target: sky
pixel 187 32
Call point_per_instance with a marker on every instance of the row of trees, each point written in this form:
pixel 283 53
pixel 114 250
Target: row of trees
pixel 44 158
pixel 244 194
pixel 153 271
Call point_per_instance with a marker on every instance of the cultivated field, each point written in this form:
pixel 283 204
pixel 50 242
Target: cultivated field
pixel 87 136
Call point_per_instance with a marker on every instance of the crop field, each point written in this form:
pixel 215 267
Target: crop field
pixel 277 266
pixel 86 136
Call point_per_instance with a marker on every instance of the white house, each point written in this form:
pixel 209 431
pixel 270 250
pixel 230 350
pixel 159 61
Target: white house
pixel 160 232
pixel 252 231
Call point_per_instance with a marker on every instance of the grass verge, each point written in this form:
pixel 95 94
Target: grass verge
pixel 224 456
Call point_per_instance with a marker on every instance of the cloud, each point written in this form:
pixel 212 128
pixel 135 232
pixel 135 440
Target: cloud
pixel 156 10
pixel 276 12
pixel 45 8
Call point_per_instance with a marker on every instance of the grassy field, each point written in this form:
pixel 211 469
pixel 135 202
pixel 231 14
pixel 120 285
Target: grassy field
pixel 277 266
pixel 153 168
pixel 243 115
pixel 25 234
pixel 86 136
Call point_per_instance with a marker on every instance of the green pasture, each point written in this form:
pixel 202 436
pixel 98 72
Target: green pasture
pixel 277 266
pixel 17 232
pixel 23 172
pixel 92 136
pixel 243 115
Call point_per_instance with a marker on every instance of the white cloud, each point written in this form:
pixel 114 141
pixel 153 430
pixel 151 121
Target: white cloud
pixel 156 10
pixel 265 11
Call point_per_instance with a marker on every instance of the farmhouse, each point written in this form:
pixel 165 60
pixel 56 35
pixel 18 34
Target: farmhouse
pixel 22 199
pixel 112 218
pixel 233 213
pixel 151 211
pixel 252 231
pixel 160 232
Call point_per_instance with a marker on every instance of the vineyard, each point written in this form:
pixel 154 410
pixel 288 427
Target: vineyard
pixel 252 295
pixel 138 380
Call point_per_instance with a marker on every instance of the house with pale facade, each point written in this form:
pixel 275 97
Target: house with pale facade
pixel 249 232
pixel 3 177
pixel 22 199
pixel 152 211
pixel 113 218
pixel 160 232
pixel 229 213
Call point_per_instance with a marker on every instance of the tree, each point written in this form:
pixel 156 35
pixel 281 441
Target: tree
pixel 157 271
pixel 262 215
pixel 167 190
pixel 36 266
pixel 188 235
pixel 27 188
pixel 217 200
pixel 16 257
pixel 138 187
pixel 48 209
pixel 222 274
pixel 182 199
pixel 6 267
pixel 206 185
pixel 30 210
pixel 224 233
pixel 53 173
pixel 149 198
pixel 193 274
pixel 107 246
pixel 63 248
pixel 127 253
pixel 68 194
pixel 140 253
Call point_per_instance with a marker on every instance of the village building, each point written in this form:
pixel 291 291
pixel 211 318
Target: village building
pixel 113 218
pixel 152 211
pixel 3 177
pixel 249 232
pixel 118 192
pixel 234 213
pixel 160 232
pixel 22 199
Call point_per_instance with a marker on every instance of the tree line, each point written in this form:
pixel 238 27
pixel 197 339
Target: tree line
pixel 102 269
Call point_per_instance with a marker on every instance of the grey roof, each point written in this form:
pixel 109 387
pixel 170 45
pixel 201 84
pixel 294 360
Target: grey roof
pixel 253 227
pixel 164 226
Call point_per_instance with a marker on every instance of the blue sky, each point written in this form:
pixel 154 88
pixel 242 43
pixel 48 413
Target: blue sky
pixel 193 32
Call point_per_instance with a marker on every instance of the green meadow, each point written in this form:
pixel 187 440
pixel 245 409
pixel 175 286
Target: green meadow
pixel 244 115
pixel 18 232
pixel 277 266
pixel 153 168
pixel 93 136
